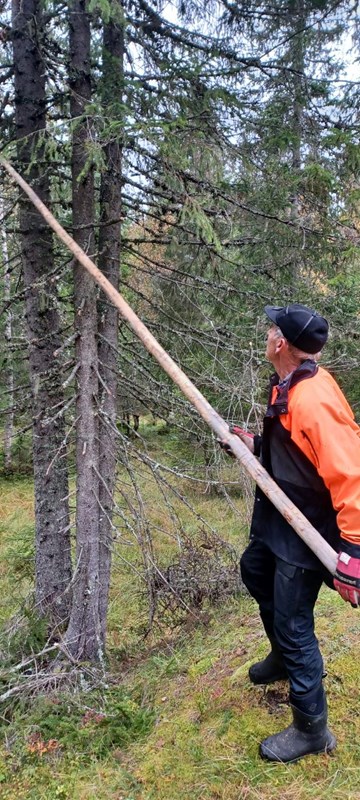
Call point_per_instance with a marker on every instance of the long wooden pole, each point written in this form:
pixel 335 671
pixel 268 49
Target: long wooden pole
pixel 294 517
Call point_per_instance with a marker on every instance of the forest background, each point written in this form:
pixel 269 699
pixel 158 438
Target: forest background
pixel 206 156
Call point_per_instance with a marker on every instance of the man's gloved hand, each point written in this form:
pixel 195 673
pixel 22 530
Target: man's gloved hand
pixel 245 436
pixel 240 432
pixel 347 575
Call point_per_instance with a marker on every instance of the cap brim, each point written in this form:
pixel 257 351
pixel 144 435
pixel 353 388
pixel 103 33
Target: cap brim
pixel 272 312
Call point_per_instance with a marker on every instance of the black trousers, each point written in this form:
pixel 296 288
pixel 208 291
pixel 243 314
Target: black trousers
pixel 286 595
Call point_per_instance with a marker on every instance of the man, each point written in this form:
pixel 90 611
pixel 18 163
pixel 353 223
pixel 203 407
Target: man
pixel 311 447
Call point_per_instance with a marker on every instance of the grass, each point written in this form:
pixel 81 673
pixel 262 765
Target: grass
pixel 180 721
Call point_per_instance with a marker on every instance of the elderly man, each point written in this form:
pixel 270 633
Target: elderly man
pixel 310 445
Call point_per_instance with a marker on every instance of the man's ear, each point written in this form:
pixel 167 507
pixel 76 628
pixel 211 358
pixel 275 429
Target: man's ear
pixel 280 343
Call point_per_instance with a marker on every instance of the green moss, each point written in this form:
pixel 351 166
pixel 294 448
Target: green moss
pixel 201 667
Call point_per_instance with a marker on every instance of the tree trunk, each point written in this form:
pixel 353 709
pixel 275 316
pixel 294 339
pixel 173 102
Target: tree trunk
pixel 84 637
pixel 297 63
pixel 109 263
pixel 9 367
pixel 53 558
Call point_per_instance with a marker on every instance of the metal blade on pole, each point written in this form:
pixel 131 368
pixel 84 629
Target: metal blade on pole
pixel 294 517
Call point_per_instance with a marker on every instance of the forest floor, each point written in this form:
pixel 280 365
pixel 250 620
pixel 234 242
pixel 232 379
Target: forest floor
pixel 178 718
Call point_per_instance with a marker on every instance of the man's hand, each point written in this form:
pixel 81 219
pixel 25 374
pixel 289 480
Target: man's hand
pixel 347 577
pixel 245 436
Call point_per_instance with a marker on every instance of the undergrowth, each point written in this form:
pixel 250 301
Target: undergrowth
pixel 176 718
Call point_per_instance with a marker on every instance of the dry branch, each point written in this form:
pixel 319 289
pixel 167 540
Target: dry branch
pixel 292 514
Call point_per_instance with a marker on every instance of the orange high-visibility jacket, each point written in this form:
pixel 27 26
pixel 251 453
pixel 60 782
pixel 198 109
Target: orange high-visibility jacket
pixel 311 447
pixel 322 425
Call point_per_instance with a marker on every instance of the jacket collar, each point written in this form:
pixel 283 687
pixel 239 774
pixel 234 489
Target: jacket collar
pixel 307 369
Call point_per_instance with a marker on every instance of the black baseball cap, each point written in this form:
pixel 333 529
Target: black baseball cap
pixel 301 326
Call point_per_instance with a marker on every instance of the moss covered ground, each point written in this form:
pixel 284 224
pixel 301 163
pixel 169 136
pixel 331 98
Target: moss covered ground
pixel 179 719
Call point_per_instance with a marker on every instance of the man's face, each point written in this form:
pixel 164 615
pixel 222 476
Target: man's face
pixel 273 337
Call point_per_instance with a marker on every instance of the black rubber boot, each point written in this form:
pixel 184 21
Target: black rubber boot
pixel 270 669
pixel 305 736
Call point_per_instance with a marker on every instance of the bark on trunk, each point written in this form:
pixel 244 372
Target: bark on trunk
pixel 84 635
pixel 53 558
pixel 8 366
pixel 109 263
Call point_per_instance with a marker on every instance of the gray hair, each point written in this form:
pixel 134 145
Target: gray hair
pixel 300 355
pixel 295 352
